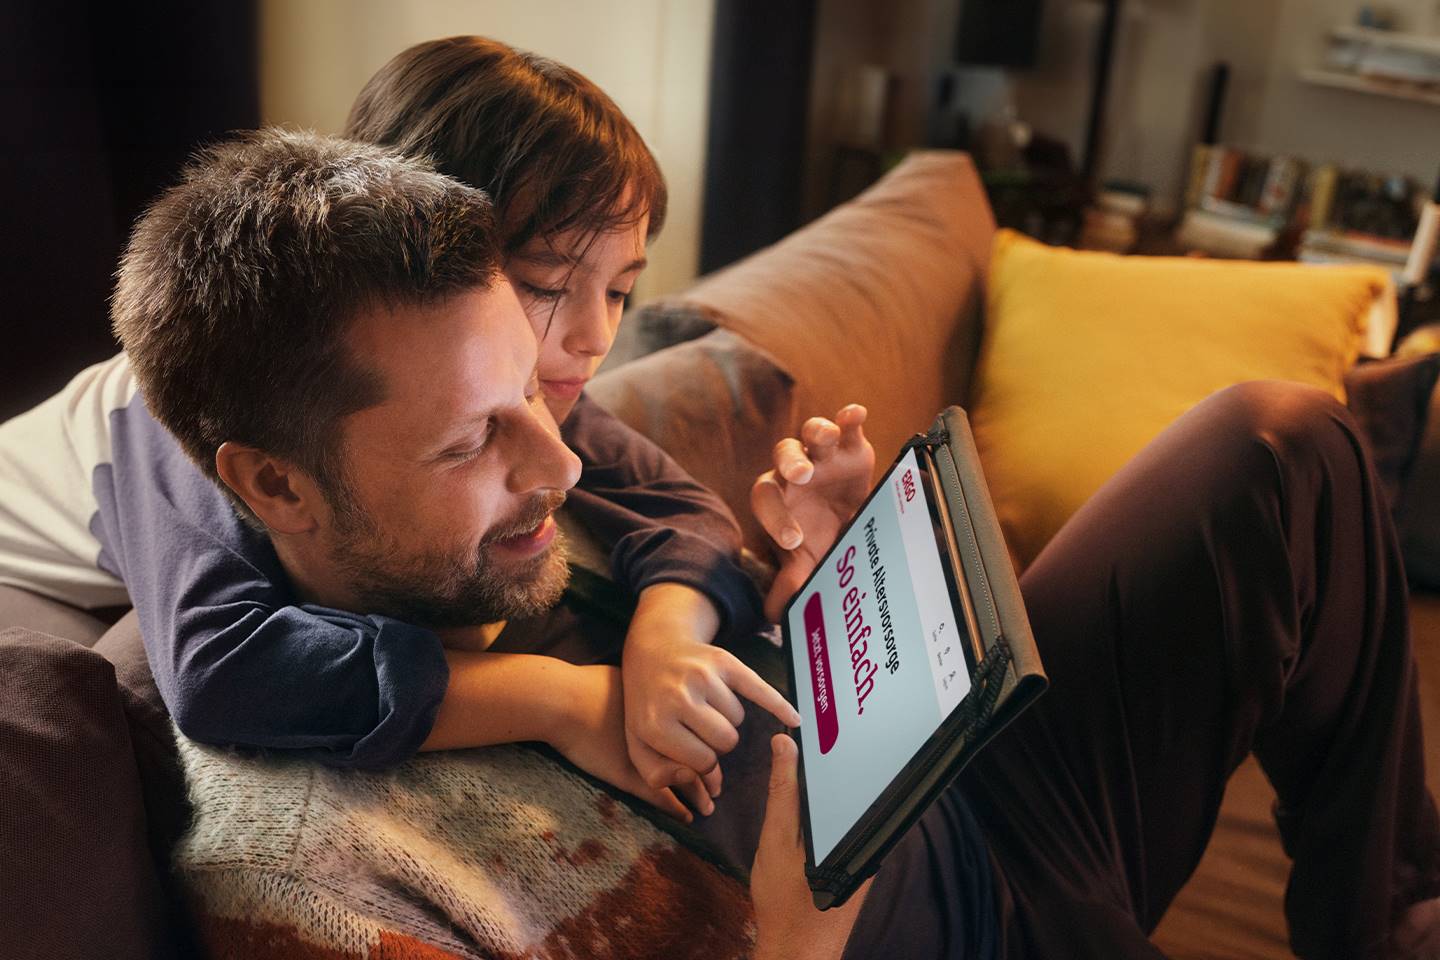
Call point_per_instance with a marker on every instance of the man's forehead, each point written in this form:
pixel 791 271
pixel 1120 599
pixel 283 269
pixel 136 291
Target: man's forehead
pixel 448 354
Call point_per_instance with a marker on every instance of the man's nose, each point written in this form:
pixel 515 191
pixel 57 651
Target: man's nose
pixel 541 460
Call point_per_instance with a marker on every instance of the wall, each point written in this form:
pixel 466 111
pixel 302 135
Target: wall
pixel 1321 124
pixel 651 56
pixel 1164 51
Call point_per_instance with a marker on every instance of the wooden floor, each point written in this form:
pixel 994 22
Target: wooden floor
pixel 1231 909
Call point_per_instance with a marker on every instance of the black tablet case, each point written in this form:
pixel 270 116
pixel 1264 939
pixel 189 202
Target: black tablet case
pixel 1006 679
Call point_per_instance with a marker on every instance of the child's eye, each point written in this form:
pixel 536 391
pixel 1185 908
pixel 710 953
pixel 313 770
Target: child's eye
pixel 543 293
pixel 618 296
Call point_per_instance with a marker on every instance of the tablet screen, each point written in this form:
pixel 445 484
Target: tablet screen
pixel 878 654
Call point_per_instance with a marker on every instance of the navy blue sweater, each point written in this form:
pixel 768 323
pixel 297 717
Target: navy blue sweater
pixel 237 659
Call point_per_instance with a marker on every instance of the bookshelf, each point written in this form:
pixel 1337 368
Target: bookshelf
pixel 1396 89
pixel 1385 63
pixel 1389 39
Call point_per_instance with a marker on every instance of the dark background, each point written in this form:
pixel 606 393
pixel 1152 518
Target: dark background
pixel 102 104
pixel 104 101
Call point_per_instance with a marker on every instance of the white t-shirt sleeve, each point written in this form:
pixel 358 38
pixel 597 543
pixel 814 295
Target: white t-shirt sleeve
pixel 48 457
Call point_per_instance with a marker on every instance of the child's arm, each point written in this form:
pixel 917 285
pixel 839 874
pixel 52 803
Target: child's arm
pixel 675 546
pixel 239 662
pixel 660 524
pixel 236 660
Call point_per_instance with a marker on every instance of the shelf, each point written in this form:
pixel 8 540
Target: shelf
pixel 1396 89
pixel 1390 39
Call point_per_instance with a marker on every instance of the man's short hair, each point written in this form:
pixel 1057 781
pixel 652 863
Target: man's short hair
pixel 238 285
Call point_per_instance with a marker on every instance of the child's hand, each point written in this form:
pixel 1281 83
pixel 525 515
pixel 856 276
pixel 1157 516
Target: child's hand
pixel 681 708
pixel 818 483
pixel 593 738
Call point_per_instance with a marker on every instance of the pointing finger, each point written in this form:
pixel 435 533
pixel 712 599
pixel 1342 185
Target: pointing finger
pixel 748 684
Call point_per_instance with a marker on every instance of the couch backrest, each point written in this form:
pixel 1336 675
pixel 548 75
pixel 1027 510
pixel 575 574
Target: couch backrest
pixel 876 302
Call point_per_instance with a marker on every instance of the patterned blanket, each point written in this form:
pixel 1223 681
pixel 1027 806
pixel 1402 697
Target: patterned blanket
pixel 495 853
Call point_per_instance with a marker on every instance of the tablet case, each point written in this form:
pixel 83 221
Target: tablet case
pixel 1007 677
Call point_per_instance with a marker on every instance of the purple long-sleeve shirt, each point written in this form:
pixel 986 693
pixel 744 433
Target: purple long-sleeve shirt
pixel 99 505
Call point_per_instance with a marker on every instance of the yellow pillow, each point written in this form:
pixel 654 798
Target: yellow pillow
pixel 1087 356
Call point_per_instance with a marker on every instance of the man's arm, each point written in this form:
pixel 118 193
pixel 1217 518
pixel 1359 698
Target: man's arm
pixel 788 927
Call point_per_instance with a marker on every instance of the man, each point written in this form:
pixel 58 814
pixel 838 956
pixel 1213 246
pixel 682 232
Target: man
pixel 1234 588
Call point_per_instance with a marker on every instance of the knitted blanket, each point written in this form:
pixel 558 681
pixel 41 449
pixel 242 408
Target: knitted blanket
pixel 496 853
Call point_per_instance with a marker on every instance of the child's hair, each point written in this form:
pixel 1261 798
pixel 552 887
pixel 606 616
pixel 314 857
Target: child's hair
pixel 552 150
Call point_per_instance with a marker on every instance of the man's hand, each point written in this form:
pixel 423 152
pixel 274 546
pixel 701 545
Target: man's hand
pixel 818 482
pixel 681 708
pixel 789 927
pixel 593 738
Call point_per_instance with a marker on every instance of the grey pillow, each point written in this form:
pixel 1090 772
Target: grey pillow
pixel 654 326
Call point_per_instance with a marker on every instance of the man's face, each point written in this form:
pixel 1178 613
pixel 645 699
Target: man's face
pixel 456 473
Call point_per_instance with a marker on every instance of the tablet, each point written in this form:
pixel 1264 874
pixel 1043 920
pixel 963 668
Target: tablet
pixel 896 664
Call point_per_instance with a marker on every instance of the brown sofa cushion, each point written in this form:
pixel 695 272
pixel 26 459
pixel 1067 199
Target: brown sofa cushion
pixel 77 877
pixel 21 608
pixel 875 302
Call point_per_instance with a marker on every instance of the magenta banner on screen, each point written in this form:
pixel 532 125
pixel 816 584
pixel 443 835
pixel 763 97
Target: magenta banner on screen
pixel 827 727
pixel 877 656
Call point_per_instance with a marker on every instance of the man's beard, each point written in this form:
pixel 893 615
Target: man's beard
pixel 438 590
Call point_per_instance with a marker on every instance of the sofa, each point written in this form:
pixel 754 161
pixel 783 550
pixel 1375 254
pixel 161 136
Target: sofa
pixel 883 301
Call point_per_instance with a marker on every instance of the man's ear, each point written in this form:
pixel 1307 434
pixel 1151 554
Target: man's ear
pixel 284 498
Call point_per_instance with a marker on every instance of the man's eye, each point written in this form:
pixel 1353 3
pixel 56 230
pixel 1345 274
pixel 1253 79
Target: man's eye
pixel 467 453
pixel 543 293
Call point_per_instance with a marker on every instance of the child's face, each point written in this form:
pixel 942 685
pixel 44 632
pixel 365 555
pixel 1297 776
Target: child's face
pixel 573 288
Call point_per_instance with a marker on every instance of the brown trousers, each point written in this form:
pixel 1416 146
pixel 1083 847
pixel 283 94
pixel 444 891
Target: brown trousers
pixel 1236 588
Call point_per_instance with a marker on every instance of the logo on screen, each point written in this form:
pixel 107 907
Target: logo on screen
pixel 907 483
